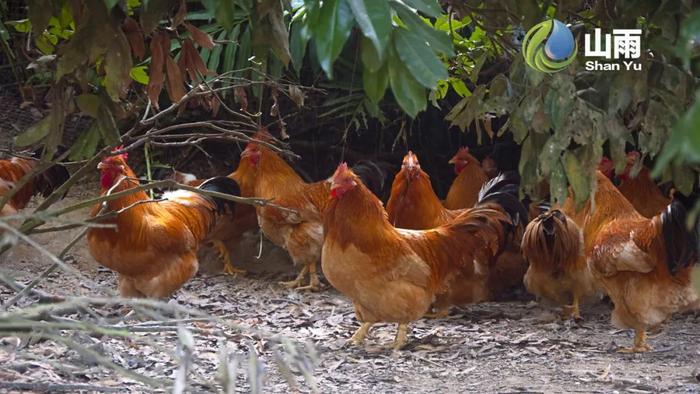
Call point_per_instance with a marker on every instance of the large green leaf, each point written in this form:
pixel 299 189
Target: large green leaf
pixel 86 145
pixel 244 51
pixel 331 31
pixel 419 58
pixel 374 18
pixel 408 92
pixel 89 104
pixel 34 133
pixel 215 57
pixel 270 30
pixel 578 177
pixel 370 58
pixel 107 126
pixel 375 82
pixel 684 142
pixel 557 183
pixel 559 101
pixel 298 41
pixel 439 41
pixel 230 50
pixel 428 7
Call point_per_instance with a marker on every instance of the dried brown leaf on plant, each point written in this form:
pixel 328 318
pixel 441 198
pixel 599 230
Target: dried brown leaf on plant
pixel 156 77
pixel 200 37
pixel 175 82
pixel 241 98
pixel 190 61
pixel 135 36
pixel 181 14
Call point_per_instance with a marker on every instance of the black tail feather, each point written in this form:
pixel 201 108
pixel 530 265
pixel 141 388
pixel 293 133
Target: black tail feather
pixel 373 176
pixel 681 243
pixel 224 185
pixel 162 173
pixel 52 179
pixel 503 190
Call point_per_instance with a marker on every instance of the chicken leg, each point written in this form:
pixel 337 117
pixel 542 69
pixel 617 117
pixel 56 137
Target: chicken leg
pixel 225 256
pixel 359 336
pixel 572 311
pixel 293 284
pixel 640 343
pixel 401 336
pixel 314 282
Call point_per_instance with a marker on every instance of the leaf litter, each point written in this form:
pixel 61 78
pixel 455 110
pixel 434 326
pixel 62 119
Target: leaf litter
pixel 515 346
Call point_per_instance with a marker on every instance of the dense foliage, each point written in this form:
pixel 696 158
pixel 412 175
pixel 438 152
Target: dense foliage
pixel 117 55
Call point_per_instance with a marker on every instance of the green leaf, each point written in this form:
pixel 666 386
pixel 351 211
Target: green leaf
pixel 89 104
pixel 428 7
pixel 375 83
pixel 107 126
pixel 370 58
pixel 690 30
pixel 4 34
pixel 215 57
pixel 578 178
pixel 683 178
pixel 459 87
pixel 439 41
pixel 684 143
pixel 559 101
pixel 557 183
pixel 117 64
pixel 39 14
pixel 34 133
pixel 408 92
pixel 230 50
pixel 21 26
pixel 111 3
pixel 374 18
pixel 331 31
pixel 298 42
pixel 139 74
pixel 243 55
pixel 86 145
pixel 419 58
pixel 224 14
pixel 270 30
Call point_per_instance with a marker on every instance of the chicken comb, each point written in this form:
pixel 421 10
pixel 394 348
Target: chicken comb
pixel 411 159
pixel 341 170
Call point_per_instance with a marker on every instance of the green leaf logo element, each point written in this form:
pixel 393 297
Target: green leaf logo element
pixel 549 46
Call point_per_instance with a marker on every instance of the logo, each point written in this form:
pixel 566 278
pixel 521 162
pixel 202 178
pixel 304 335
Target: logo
pixel 549 46
pixel 621 44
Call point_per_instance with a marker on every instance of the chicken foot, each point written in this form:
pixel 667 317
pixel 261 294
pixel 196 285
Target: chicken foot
pixel 401 336
pixel 572 311
pixel 640 343
pixel 314 282
pixel 296 283
pixel 225 256
pixel 359 336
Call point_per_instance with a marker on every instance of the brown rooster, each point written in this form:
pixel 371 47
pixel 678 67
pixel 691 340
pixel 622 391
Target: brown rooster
pixel 395 275
pixel 465 188
pixel 414 205
pixel 14 169
pixel 153 246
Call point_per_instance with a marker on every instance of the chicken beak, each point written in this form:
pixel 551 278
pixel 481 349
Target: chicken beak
pixel 452 160
pixel 101 166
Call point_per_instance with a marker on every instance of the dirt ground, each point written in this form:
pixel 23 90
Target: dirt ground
pixel 515 346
